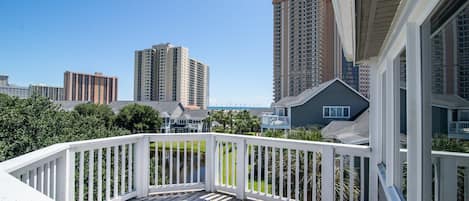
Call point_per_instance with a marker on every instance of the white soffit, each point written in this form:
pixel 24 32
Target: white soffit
pixel 344 12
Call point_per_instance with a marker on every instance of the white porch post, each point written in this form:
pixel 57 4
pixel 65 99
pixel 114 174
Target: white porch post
pixel 210 163
pixel 374 120
pixel 419 133
pixel 142 166
pixel 241 177
pixel 69 177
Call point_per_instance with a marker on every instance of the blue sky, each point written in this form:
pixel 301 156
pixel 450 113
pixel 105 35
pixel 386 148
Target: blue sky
pixel 39 40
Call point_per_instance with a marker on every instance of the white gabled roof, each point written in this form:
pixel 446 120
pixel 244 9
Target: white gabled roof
pixel 306 95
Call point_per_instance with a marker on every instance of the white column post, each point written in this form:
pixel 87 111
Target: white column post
pixel 374 133
pixel 69 162
pixel 210 163
pixel 448 180
pixel 327 173
pixel 419 129
pixel 393 163
pixel 142 166
pixel 240 170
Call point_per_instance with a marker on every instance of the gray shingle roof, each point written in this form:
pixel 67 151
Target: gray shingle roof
pixel 69 105
pixel 168 107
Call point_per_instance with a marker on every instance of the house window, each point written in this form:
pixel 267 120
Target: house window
pixel 336 112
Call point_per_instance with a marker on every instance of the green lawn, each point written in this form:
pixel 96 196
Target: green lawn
pixel 181 146
pixel 230 167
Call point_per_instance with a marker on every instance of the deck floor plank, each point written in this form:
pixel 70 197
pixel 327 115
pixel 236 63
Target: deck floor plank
pixel 189 196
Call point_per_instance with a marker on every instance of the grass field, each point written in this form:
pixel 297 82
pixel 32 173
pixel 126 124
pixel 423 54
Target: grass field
pixel 230 155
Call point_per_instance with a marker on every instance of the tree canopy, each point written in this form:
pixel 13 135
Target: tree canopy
pixel 30 124
pixel 139 119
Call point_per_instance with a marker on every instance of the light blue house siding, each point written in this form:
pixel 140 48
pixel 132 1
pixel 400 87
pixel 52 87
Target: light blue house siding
pixel 337 94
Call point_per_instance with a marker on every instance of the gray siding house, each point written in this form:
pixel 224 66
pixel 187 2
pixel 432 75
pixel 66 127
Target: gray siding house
pixel 317 106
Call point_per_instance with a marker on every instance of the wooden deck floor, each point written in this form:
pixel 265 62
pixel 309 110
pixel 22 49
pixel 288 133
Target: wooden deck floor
pixel 189 196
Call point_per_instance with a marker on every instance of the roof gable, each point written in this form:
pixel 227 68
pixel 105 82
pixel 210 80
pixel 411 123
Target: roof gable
pixel 310 93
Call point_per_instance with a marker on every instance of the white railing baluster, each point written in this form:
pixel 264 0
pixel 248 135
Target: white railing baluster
pixel 108 173
pixel 185 163
pixel 314 189
pixel 259 164
pixel 81 176
pixel 178 167
pixel 297 175
pixel 198 161
pixel 69 176
pixel 41 169
pixel 217 165
pixel 100 174
pixel 362 179
pixel 274 169
pixel 305 175
pixel 233 169
pixel 192 162
pixel 289 174
pixel 241 165
pixel 163 165
pixel 226 159
pixel 351 178
pixel 252 167
pixel 90 174
pixel 170 163
pixel 28 179
pixel 266 170
pixel 116 171
pixel 49 171
pixel 123 169
pixel 341 177
pixel 35 178
pixel 156 163
pixel 466 183
pixel 280 186
pixel 130 171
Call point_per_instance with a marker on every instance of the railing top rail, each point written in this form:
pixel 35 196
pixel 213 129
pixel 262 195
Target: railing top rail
pixel 340 148
pixel 446 154
pixel 30 158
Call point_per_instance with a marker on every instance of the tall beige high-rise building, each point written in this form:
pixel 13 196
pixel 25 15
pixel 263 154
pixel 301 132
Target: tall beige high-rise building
pixel 95 88
pixel 166 73
pixel 303 45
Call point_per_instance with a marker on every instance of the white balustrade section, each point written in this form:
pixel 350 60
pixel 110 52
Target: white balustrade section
pixel 450 175
pixel 120 168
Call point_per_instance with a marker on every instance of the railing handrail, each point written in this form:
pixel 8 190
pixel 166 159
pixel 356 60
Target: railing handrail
pixel 30 158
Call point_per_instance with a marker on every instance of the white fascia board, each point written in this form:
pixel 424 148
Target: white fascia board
pixel 344 12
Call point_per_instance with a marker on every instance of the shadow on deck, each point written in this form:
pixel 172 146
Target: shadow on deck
pixel 188 196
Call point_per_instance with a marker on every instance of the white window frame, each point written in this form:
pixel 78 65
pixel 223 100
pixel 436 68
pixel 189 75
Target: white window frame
pixel 335 116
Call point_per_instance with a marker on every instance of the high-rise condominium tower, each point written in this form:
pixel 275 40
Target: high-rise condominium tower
pixel 96 88
pixel 166 73
pixel 303 45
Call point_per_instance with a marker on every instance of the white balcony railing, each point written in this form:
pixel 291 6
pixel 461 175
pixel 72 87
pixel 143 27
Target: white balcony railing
pixel 275 121
pixel 459 129
pixel 121 168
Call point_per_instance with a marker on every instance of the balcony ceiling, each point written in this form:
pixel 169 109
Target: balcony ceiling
pixel 373 20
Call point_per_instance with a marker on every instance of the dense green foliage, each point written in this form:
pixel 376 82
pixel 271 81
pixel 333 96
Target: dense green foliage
pixel 309 134
pixel 139 119
pixel 30 124
pixel 241 122
pixel 102 112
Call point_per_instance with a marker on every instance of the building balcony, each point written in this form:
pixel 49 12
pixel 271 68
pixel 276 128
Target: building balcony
pixel 458 129
pixel 270 121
